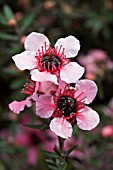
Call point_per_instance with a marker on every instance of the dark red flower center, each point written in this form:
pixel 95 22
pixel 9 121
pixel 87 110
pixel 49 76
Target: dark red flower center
pixel 51 62
pixel 67 105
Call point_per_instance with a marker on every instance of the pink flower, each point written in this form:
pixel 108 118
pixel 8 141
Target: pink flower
pixel 34 89
pixel 96 62
pixel 47 63
pixel 107 131
pixel 68 104
pixel 32 140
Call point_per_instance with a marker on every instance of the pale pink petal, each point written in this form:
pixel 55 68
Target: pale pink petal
pixel 45 106
pixel 43 76
pixel 61 127
pixel 48 87
pixel 87 90
pixel 71 72
pixel 87 119
pixel 25 60
pixel 17 107
pixel 35 41
pixel 61 86
pixel 35 94
pixel 70 44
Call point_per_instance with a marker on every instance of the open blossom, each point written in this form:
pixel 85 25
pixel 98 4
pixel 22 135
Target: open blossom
pixel 33 89
pixel 49 63
pixel 68 106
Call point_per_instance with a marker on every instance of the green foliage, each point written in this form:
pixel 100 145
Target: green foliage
pixel 39 127
pixel 8 13
pixel 92 23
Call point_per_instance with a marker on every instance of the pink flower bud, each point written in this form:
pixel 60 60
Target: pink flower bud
pixel 107 131
pixel 12 22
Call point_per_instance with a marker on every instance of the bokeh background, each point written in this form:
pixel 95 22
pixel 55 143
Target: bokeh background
pixel 92 23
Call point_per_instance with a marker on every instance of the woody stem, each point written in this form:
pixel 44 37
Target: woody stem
pixel 61 146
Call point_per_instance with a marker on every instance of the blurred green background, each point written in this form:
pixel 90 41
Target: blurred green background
pixel 92 23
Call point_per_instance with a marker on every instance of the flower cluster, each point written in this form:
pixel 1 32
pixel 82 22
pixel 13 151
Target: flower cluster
pixel 54 84
pixel 97 63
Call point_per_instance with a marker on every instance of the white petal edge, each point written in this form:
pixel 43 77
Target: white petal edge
pixel 25 60
pixel 70 44
pixel 43 76
pixel 35 41
pixel 71 72
pixel 61 127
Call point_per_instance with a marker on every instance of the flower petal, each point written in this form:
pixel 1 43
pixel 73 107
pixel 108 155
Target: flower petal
pixel 17 107
pixel 43 76
pixel 25 60
pixel 87 119
pixel 61 127
pixel 45 106
pixel 71 72
pixel 48 87
pixel 35 41
pixel 70 44
pixel 87 90
pixel 61 86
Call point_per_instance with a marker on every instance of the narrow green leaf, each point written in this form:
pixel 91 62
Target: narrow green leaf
pixel 75 129
pixel 8 37
pixel 3 20
pixel 17 83
pixel 2 166
pixel 50 154
pixel 57 151
pixel 53 168
pixel 10 71
pixel 16 48
pixel 62 165
pixel 27 22
pixel 70 150
pixel 8 12
pixel 39 127
pixel 50 162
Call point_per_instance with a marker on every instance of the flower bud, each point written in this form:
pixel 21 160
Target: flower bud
pixel 12 22
pixel 107 131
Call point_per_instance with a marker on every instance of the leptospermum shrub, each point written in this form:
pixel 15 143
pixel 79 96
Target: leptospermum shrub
pixel 56 89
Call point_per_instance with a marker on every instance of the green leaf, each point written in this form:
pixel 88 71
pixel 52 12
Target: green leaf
pixel 70 150
pixel 53 168
pixel 2 166
pixel 75 129
pixel 62 165
pixel 17 83
pixel 8 37
pixel 3 20
pixel 39 127
pixel 8 12
pixel 50 154
pixel 57 151
pixel 10 71
pixel 27 22
pixel 50 162
pixel 16 48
